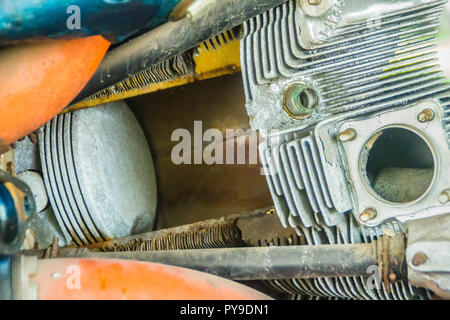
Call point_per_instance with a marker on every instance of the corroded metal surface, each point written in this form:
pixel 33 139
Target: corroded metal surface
pixel 38 80
pixel 215 57
pixel 428 254
pixel 99 174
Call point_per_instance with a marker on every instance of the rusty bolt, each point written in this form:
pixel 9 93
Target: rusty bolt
pixel 368 214
pixel 10 167
pixel 392 277
pixel 444 197
pixel 347 135
pixel 419 259
pixel 426 116
pixel 314 2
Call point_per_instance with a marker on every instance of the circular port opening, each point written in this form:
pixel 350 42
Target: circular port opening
pixel 300 101
pixel 398 165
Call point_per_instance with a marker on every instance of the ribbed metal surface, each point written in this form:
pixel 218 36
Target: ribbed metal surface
pixel 386 63
pixel 297 182
pixel 446 121
pixel 223 235
pixel 182 66
pixel 173 68
pixel 220 40
pixel 66 197
pixel 98 174
pixel 366 66
pixel 342 287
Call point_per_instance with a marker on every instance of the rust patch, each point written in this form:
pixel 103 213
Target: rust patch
pixel 371 142
pixel 258 228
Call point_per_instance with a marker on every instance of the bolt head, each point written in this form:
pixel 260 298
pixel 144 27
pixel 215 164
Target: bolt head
pixel 300 101
pixel 444 197
pixel 368 214
pixel 392 277
pixel 426 116
pixel 347 135
pixel 419 259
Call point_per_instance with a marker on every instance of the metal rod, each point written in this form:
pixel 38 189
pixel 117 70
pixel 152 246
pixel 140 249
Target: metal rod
pixel 257 263
pixel 173 38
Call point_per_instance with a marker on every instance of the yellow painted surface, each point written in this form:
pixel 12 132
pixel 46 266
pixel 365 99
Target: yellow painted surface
pixel 216 57
pixel 131 93
pixel 214 63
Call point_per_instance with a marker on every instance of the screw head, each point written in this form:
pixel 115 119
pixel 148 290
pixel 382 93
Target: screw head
pixel 444 197
pixel 426 115
pixel 419 259
pixel 392 277
pixel 314 2
pixel 368 214
pixel 347 135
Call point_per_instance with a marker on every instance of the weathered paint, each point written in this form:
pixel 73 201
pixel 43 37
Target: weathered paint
pixel 209 63
pixel 104 279
pixel 37 80
pixel 221 60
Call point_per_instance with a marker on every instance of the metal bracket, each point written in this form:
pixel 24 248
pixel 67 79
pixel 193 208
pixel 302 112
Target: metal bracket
pixel 431 132
pixel 429 256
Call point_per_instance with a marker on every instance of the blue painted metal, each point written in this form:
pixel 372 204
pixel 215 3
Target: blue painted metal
pixel 5 278
pixel 13 220
pixel 114 19
pixel 9 222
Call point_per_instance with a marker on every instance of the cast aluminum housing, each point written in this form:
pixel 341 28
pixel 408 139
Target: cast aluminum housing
pixel 364 67
pixel 358 66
